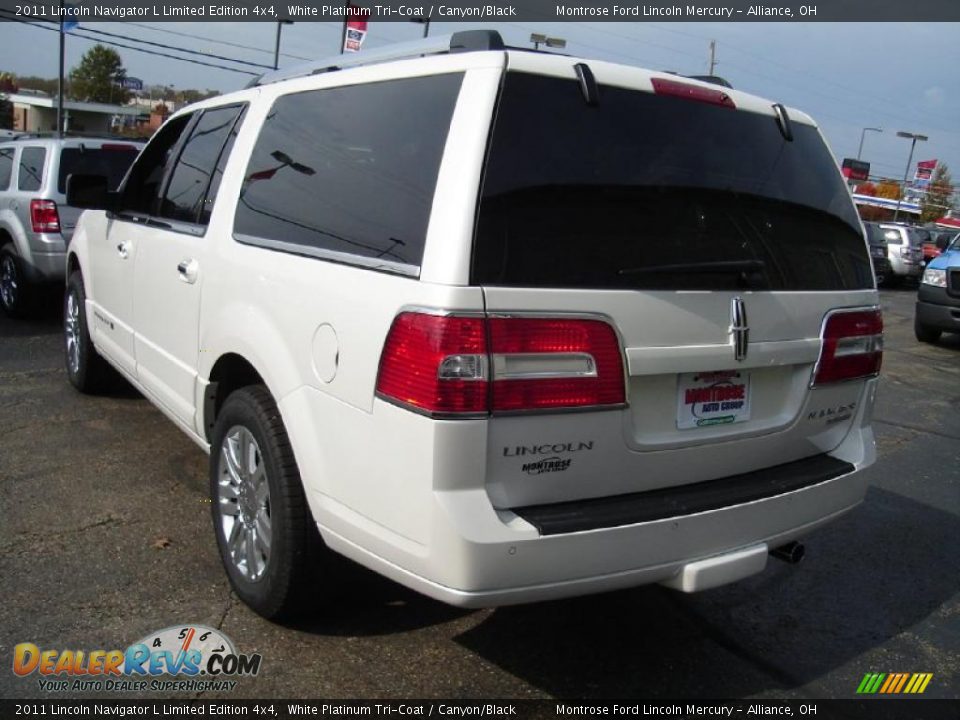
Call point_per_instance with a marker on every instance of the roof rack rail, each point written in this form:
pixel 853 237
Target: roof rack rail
pixel 464 41
pixel 73 135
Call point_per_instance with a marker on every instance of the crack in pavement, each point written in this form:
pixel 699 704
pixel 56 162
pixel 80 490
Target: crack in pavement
pixel 232 601
pixel 32 538
pixel 32 373
pixel 916 428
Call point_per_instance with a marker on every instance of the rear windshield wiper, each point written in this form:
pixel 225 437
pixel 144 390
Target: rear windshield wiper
pixel 719 267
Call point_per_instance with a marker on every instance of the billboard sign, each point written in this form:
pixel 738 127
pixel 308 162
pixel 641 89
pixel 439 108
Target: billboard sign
pixel 855 169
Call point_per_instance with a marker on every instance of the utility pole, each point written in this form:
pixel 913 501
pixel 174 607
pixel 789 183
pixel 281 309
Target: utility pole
pixel 276 47
pixel 713 56
pixel 60 77
pixel 912 137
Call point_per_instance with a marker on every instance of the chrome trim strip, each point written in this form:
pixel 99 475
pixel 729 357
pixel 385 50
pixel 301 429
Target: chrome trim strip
pixel 500 360
pixel 369 263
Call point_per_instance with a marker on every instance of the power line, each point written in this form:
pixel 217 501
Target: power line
pixel 178 49
pixel 805 72
pixel 148 42
pixel 180 33
pixel 129 47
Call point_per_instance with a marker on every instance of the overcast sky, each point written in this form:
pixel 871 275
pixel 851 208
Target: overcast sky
pixel 848 76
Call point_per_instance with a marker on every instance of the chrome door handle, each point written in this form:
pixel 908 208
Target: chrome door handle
pixel 188 270
pixel 123 249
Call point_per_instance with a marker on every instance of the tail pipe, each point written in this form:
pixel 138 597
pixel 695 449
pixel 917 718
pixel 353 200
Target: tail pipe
pixel 792 552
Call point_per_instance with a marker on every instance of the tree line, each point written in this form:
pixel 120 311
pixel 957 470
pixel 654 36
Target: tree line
pixel 98 77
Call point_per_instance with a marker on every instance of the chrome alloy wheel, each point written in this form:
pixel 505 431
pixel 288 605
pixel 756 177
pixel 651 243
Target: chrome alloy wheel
pixel 9 285
pixel 71 332
pixel 244 503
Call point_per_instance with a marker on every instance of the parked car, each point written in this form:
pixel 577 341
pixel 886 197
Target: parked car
pixel 939 239
pixel 904 250
pixel 938 299
pixel 879 249
pixel 36 223
pixel 389 306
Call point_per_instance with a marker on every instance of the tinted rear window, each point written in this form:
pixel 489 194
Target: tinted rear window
pixel 30 176
pixel 6 167
pixel 656 192
pixel 874 234
pixel 190 192
pixel 349 170
pixel 111 162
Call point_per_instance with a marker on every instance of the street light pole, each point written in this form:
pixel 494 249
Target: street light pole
pixel 864 132
pixel 538 39
pixel 913 137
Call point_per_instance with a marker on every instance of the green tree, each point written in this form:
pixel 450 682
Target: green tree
pixel 939 194
pixel 97 77
pixel 32 82
pixel 7 85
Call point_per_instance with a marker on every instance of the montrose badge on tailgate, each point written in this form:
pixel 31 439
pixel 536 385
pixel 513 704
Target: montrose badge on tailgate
pixel 712 398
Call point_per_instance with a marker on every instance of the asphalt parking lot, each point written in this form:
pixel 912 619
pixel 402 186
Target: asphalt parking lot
pixel 105 536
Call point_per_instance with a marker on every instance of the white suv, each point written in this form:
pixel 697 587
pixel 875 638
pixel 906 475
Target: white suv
pixel 503 326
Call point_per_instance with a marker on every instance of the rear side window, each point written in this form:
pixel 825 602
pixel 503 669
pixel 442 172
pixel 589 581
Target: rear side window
pixel 110 160
pixel 187 192
pixel 894 235
pixel 6 167
pixel 218 170
pixel 349 170
pixel 141 189
pixel 663 193
pixel 31 168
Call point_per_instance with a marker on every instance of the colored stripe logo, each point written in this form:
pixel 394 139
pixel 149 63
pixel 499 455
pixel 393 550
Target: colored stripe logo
pixel 894 683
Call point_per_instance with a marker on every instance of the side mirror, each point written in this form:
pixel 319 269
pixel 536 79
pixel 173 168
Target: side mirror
pixel 89 192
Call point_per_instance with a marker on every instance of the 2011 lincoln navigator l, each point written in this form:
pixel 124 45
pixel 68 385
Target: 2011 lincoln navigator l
pixel 500 325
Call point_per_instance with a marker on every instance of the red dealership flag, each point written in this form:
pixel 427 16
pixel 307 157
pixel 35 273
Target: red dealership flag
pixel 355 27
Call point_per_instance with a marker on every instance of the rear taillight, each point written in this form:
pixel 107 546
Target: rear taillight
pixel 545 363
pixel 451 365
pixel 435 363
pixel 44 216
pixel 852 346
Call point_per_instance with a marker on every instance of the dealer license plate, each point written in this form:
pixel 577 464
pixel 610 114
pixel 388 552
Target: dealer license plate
pixel 705 399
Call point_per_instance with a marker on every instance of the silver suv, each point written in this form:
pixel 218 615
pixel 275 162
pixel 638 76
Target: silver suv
pixel 35 222
pixel 904 250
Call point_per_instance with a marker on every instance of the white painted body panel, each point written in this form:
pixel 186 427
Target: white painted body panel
pixel 427 502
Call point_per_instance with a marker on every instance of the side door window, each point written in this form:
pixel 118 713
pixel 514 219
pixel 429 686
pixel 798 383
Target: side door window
pixel 6 167
pixel 195 178
pixel 140 194
pixel 30 177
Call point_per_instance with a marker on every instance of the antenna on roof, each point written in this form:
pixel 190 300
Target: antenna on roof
pixel 465 41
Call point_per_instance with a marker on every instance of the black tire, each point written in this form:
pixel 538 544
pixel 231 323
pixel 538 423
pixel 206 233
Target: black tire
pixel 924 333
pixel 883 278
pixel 14 288
pixel 294 546
pixel 87 371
